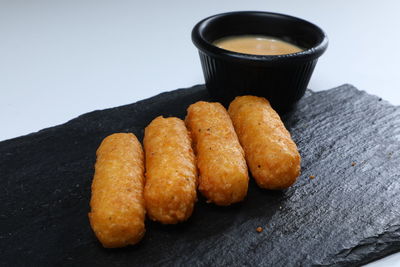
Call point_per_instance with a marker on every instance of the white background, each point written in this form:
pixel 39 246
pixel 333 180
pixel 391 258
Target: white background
pixel 59 59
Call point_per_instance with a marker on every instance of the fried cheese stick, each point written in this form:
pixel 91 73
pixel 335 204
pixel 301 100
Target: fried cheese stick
pixel 171 174
pixel 223 175
pixel 271 154
pixel 117 206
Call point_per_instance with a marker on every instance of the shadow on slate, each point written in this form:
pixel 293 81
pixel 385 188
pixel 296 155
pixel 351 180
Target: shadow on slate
pixel 346 215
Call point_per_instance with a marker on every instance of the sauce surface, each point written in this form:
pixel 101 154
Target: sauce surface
pixel 256 45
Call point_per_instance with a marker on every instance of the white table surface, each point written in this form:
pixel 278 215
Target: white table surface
pixel 59 59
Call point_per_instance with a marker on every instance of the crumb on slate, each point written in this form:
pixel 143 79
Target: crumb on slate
pixel 353 164
pixel 259 229
pixel 312 176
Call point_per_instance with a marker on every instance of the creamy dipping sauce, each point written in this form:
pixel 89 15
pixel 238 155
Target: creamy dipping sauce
pixel 256 45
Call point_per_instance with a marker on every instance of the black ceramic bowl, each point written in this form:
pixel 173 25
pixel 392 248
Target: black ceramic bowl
pixel 282 79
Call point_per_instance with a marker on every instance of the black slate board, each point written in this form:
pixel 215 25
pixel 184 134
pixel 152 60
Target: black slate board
pixel 347 215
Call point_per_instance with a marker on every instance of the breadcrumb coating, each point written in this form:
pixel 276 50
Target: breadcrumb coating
pixel 271 154
pixel 117 206
pixel 171 174
pixel 223 174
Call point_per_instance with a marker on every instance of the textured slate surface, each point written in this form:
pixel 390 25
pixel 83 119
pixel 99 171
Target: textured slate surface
pixel 346 215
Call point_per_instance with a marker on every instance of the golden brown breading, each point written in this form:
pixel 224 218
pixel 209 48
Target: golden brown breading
pixel 223 175
pixel 271 154
pixel 171 174
pixel 117 206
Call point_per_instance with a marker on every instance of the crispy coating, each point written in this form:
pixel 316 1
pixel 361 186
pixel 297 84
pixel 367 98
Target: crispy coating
pixel 271 154
pixel 223 175
pixel 171 174
pixel 117 206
